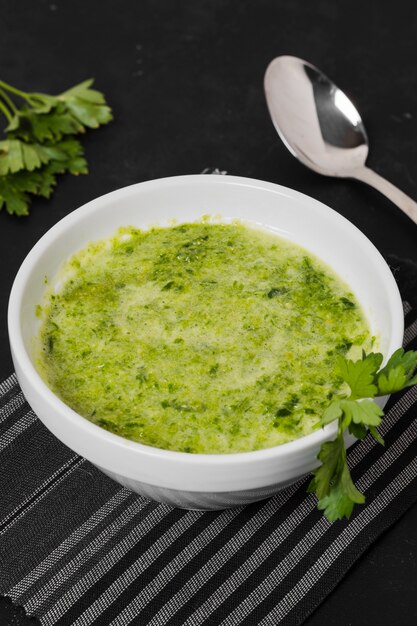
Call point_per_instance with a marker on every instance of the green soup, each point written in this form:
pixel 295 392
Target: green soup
pixel 202 337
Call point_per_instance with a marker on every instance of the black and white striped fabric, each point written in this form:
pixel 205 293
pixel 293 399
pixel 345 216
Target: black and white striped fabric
pixel 77 549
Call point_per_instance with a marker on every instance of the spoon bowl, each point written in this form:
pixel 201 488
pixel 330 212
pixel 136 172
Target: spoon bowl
pixel 321 127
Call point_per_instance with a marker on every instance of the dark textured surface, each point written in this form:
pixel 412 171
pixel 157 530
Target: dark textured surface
pixel 185 82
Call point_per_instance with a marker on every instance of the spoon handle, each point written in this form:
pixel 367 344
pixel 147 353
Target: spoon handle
pixel 403 202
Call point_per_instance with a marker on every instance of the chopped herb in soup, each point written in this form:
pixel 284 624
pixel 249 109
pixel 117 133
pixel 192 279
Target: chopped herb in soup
pixel 202 337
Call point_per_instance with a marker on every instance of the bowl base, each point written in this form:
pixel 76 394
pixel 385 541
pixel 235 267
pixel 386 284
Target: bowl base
pixel 199 500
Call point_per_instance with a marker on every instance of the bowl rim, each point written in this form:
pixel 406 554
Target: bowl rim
pixel 20 353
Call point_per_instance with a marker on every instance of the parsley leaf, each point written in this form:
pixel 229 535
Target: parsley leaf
pixel 27 124
pixel 360 375
pixel 86 105
pixel 332 482
pixel 16 155
pixel 364 412
pixel 41 140
pixel 359 430
pixel 342 497
pixel 331 413
pixel 330 455
pixel 398 372
pixel 358 414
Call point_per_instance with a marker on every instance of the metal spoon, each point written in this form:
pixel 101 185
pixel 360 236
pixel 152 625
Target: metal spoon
pixel 321 127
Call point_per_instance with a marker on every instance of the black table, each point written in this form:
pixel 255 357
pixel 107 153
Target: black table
pixel 185 81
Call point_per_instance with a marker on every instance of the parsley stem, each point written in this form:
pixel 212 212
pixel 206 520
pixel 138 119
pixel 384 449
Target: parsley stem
pixel 17 92
pixel 8 101
pixel 5 111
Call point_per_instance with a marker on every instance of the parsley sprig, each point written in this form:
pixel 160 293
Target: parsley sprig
pixel 40 140
pixel 356 412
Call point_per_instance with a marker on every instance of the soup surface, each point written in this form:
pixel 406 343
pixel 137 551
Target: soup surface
pixel 202 337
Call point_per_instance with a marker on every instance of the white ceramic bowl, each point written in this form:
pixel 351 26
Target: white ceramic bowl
pixel 197 481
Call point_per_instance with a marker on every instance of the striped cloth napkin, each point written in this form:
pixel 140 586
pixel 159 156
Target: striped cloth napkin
pixel 76 548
